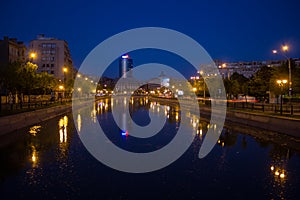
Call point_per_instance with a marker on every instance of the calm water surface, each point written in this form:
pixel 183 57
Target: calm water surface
pixel 49 161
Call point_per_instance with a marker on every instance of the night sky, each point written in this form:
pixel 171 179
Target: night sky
pixel 228 30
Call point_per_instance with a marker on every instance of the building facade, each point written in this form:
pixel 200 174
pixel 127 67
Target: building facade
pixel 11 50
pixel 248 69
pixel 52 56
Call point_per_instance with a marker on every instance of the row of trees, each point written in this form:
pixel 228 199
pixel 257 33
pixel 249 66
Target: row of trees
pixel 22 78
pixel 263 82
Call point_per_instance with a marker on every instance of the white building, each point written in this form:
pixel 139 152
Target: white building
pixel 247 69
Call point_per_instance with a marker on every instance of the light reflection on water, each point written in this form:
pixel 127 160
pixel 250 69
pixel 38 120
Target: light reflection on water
pixel 49 158
pixel 62 126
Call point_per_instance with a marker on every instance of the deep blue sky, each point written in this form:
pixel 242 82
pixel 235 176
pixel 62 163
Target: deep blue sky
pixel 232 30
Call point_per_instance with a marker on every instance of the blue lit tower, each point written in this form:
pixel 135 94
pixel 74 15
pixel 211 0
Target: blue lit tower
pixel 125 65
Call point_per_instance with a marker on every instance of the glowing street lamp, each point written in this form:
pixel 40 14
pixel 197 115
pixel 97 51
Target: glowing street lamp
pixel 32 55
pixel 60 95
pixel 281 84
pixel 281 81
pixel 285 49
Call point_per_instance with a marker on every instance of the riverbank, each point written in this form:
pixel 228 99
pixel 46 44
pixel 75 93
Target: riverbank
pixel 18 121
pixel 280 124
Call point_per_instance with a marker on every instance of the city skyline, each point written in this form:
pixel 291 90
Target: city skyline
pixel 233 32
pixel 152 99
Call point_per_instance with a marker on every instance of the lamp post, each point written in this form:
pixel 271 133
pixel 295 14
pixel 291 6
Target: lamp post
pixel 61 88
pixel 281 84
pixel 201 73
pixel 79 91
pixel 65 70
pixel 285 49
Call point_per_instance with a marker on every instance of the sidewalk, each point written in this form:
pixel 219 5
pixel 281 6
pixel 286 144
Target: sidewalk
pixel 11 109
pixel 15 122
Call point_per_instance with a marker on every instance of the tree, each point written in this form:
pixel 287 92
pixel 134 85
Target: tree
pixel 296 81
pixel 237 84
pixel 9 77
pixel 232 88
pixel 69 86
pixel 28 78
pixel 260 83
pixel 242 81
pixel 46 82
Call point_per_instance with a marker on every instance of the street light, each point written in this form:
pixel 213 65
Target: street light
pixel 285 48
pixel 32 56
pixel 65 69
pixel 281 84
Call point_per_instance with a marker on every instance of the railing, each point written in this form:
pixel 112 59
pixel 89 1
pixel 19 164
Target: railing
pixel 289 109
pixel 11 108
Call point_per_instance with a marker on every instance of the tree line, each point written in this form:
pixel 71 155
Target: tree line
pixel 22 79
pixel 263 82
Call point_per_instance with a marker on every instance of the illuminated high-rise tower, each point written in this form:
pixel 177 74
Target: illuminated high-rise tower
pixel 125 65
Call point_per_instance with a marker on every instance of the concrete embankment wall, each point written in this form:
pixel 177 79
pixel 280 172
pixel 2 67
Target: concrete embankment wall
pixel 288 126
pixel 15 122
pixel 279 124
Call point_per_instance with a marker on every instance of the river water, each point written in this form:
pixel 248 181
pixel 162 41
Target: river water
pixel 49 161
